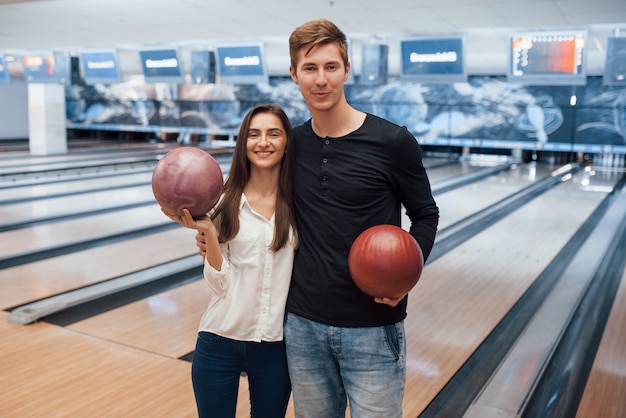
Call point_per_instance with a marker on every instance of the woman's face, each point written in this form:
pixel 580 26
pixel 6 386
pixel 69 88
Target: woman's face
pixel 266 141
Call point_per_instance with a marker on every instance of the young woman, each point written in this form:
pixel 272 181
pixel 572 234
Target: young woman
pixel 250 241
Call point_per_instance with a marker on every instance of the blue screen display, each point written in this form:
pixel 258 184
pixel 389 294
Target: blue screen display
pixel 161 66
pixel 241 64
pixel 100 67
pixel 615 62
pixel 432 57
pixel 40 68
pixel 5 77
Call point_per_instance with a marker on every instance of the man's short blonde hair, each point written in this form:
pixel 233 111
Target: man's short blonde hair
pixel 313 33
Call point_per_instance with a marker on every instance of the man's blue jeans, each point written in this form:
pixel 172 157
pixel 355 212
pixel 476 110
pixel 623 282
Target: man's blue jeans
pixel 331 366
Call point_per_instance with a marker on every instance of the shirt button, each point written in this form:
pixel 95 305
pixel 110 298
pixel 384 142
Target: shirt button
pixel 327 142
pixel 325 160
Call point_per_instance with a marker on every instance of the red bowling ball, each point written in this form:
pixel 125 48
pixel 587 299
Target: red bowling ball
pixel 385 261
pixel 187 178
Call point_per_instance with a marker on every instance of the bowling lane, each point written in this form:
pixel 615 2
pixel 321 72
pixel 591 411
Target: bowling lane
pixel 40 237
pixel 48 371
pixel 167 323
pixel 440 172
pixel 77 186
pixel 463 295
pixel 71 205
pixel 33 281
pixel 182 308
pixel 605 392
pixel 29 167
pixel 464 201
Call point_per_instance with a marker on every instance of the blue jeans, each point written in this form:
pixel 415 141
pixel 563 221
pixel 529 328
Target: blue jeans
pixel 217 365
pixel 331 366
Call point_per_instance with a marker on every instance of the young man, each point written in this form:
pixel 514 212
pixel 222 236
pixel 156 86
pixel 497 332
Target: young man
pixel 353 171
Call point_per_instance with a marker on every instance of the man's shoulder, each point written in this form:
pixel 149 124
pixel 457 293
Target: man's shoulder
pixel 385 128
pixel 304 130
pixel 380 121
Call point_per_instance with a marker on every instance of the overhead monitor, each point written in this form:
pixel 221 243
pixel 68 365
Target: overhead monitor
pixel 374 64
pixel 350 79
pixel 5 77
pixel 162 66
pixel 202 69
pixel 40 67
pixel 433 59
pixel 547 58
pixel 100 66
pixel 615 64
pixel 241 63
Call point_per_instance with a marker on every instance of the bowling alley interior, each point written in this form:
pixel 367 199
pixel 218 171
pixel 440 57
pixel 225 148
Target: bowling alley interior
pixel 520 112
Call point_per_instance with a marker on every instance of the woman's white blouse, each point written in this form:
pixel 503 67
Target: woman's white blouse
pixel 248 296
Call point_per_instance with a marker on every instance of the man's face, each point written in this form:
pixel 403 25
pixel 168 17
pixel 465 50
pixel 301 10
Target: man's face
pixel 320 75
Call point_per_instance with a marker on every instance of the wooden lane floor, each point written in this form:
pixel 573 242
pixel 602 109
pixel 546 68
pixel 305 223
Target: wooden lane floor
pixel 463 295
pixel 75 204
pixel 440 172
pixel 605 392
pixel 170 307
pixel 67 232
pixel 41 279
pixel 12 159
pixel 78 185
pixel 167 323
pixel 53 372
pixel 160 324
pixel 464 201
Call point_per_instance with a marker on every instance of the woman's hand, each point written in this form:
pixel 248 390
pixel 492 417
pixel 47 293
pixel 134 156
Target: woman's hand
pixel 185 220
pixel 203 225
pixel 201 243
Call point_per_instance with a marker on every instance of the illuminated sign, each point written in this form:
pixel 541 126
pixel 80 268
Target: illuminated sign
pixel 547 58
pixel 5 77
pixel 100 67
pixel 162 66
pixel 433 59
pixel 241 64
pixel 40 67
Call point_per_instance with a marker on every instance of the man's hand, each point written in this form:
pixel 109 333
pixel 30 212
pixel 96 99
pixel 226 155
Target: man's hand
pixel 389 301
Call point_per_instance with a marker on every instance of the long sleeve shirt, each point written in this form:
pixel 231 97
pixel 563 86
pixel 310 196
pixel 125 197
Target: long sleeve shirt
pixel 343 186
pixel 248 295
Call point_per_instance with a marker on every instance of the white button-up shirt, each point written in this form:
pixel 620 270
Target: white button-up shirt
pixel 248 296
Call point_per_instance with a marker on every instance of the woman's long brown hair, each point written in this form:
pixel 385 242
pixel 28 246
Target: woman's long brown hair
pixel 226 214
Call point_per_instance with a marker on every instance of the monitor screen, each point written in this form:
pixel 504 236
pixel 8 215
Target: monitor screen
pixel 350 79
pixel 241 64
pixel 5 77
pixel 433 60
pixel 547 58
pixel 202 69
pixel 374 64
pixel 162 66
pixel 615 65
pixel 40 67
pixel 100 67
